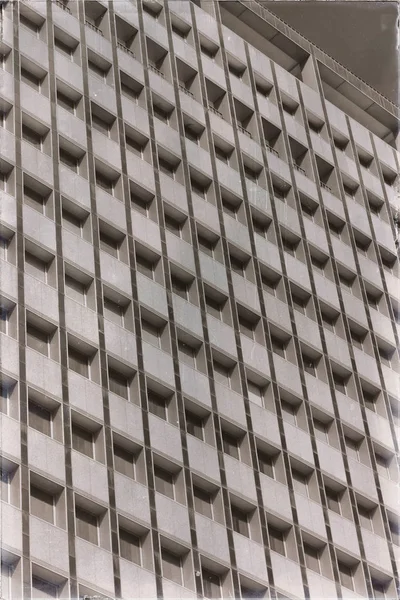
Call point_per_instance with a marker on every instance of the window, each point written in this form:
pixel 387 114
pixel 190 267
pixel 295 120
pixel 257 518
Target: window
pixel 230 445
pixel 42 504
pixel 179 287
pixel 4 398
pixel 171 566
pixel 118 383
pixel 237 265
pixel 205 245
pixel 42 589
pixel 32 136
pixel 140 204
pixel 37 340
pixel 277 540
pixel 40 418
pixel 72 222
pixel 4 247
pixel 191 134
pixel 34 199
pixel 248 593
pixel 312 558
pixel 269 284
pixel 157 404
pixel 366 517
pixel 246 327
pixel 328 321
pixel 202 502
pixel 69 160
pixel 82 440
pixel 299 303
pixel 35 266
pixel 63 48
pixel 124 461
pixel 319 263
pixel 300 482
pixel 78 362
pixel 164 482
pixel 30 79
pixel 255 392
pixel 87 525
pixel 198 188
pixel 310 365
pixel 266 464
pixel 221 154
pixel 166 167
pixel 379 588
pixel 4 319
pixel 382 464
pixel 222 374
pixel 346 576
pixel 96 70
pixel 33 27
pixel 395 531
pixel 321 431
pixel 114 312
pixel 109 244
pixel 5 480
pixel 75 289
pixel 103 182
pixel 289 246
pixel 151 333
pixel 134 146
pixel 249 173
pixel 339 383
pixel 211 584
pixel 129 546
pixel 240 522
pixel 144 266
pixel 187 354
pixel 352 448
pixel 173 225
pixel 161 114
pixel 357 339
pixel 289 412
pixel 214 308
pixel 194 425
pixel 333 500
pixel 278 346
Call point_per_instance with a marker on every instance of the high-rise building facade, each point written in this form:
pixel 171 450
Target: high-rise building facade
pixel 199 308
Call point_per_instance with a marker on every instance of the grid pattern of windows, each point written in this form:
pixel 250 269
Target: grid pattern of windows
pixel 166 356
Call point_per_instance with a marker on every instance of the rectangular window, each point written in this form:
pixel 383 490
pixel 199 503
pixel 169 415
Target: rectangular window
pixel 36 267
pixel 129 546
pixel 34 199
pixel 312 558
pixel 206 245
pixel 164 482
pixel 202 502
pixel 75 289
pixel 166 167
pixel 180 288
pixel 134 146
pixel 171 566
pixel 246 327
pixel 118 384
pixel 37 340
pixel 346 576
pixel 4 398
pixel 104 183
pixel 40 418
pixel 30 79
pixel 240 522
pixel 72 222
pixel 321 431
pixel 187 354
pixel 352 448
pixel 31 136
pixel 5 480
pixel 333 500
pixel 266 464
pixel 211 584
pixel 222 374
pixel 173 225
pixel 69 160
pixel 214 308
pixel 278 346
pixel 157 405
pixel 339 382
pixel 100 125
pixel 256 393
pixel 151 334
pixel 277 540
pixel 289 412
pixel 42 504
pixel 96 70
pixel 63 48
pixel 87 526
pixel 300 482
pixel 382 464
pixel 144 266
pixel 230 445
pixel 194 425
pixel 82 440
pixel 365 518
pixel 42 589
pixel 66 103
pixel 124 461
pixel 78 362
pixel 113 312
pixel 109 244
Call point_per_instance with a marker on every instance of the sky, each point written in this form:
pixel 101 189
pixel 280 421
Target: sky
pixel 363 36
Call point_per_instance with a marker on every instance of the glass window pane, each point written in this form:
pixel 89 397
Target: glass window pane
pixel 211 584
pixel 312 558
pixel 124 462
pixel 164 482
pixel 157 405
pixel 151 334
pixel 129 546
pixel 194 425
pixel 277 541
pixel 118 383
pixel 42 504
pixel 86 526
pixel 113 312
pixel 35 267
pixel 202 502
pixel 37 340
pixel 171 566
pixel 82 440
pixel 230 445
pixel 75 289
pixel 43 589
pixel 40 418
pixel 78 362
